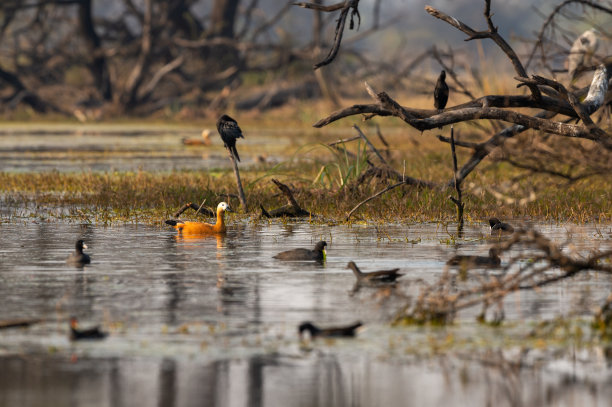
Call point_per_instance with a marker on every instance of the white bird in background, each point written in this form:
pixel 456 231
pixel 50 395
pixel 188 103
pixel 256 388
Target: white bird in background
pixel 581 52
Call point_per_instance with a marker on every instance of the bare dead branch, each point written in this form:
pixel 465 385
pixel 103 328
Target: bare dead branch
pixel 406 181
pixel 343 141
pixel 503 101
pixel 414 117
pixel 291 210
pixel 376 195
pixel 345 7
pixel 164 70
pixel 198 208
pixel 370 145
pixel 459 143
pixel 548 263
pixel 320 7
pixel 549 20
pixel 497 140
pixel 451 72
pixel 492 34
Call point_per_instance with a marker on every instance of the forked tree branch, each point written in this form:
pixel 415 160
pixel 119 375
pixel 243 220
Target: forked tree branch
pixel 492 34
pixel 345 7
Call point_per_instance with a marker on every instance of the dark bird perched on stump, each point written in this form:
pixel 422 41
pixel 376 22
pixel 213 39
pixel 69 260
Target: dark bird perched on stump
pixel 229 132
pixel 441 92
pixel 499 227
pixel 329 331
pixel 384 276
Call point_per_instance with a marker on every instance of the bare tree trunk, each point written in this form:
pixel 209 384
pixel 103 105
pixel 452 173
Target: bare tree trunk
pixel 223 17
pixel 130 96
pixel 98 65
pixel 183 19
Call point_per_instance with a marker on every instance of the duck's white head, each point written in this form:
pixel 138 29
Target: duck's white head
pixel 223 207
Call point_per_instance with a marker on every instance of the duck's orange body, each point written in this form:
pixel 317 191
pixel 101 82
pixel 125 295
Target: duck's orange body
pixel 201 228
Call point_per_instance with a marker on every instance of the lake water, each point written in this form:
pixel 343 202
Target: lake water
pixel 125 147
pixel 213 321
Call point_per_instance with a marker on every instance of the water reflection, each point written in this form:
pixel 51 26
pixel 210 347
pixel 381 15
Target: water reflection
pixel 213 321
pixel 318 379
pixel 139 147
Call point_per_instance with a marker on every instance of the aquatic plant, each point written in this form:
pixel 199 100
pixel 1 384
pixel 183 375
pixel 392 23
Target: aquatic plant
pixel 535 262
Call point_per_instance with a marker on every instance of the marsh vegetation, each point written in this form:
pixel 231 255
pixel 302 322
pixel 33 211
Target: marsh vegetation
pixel 390 183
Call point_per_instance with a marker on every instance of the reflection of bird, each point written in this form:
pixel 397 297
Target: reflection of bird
pixel 79 334
pixel 78 258
pixel 328 332
pixel 201 228
pixel 386 276
pixel 581 53
pixel 317 254
pixel 491 260
pixel 229 132
pixel 499 227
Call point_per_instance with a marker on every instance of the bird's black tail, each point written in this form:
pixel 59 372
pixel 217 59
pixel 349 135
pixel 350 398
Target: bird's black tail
pixel 235 152
pixel 171 222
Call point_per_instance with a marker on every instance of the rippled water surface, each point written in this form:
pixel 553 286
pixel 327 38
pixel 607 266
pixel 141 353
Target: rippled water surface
pixel 123 147
pixel 212 321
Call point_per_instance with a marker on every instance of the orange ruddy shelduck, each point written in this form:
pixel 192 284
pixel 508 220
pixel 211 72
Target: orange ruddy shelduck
pixel 200 228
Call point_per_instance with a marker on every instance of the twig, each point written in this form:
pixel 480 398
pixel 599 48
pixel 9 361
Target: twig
pixel 363 136
pixel 492 34
pixel 343 141
pixel 380 136
pixel 195 207
pixel 16 323
pixel 549 20
pixel 201 205
pixel 345 7
pixel 320 7
pixel 451 72
pixel 292 209
pixel 466 144
pixel 376 195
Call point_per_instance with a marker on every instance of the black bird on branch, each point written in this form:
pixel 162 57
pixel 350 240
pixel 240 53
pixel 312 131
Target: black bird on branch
pixel 229 131
pixel 441 92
